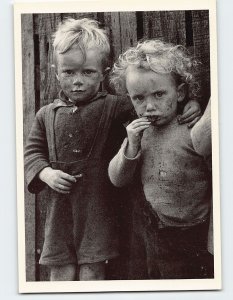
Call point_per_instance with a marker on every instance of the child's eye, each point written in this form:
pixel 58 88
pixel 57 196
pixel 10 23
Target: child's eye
pixel 158 94
pixel 139 98
pixel 68 72
pixel 88 72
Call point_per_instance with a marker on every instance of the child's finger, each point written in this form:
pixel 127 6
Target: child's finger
pixel 189 113
pixel 188 118
pixel 138 124
pixel 78 175
pixel 61 191
pixel 140 120
pixel 141 128
pixel 63 187
pixel 191 124
pixel 68 177
pixel 65 182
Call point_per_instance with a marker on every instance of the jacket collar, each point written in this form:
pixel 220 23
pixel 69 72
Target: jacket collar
pixel 64 101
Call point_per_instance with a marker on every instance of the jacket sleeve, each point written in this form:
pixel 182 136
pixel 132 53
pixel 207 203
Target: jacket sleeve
pixel 122 169
pixel 36 155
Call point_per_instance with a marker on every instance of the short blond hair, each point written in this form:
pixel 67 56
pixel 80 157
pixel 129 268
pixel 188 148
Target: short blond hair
pixel 159 57
pixel 83 33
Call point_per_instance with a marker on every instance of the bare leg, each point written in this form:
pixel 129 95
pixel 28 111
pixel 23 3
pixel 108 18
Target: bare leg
pixel 95 271
pixel 63 273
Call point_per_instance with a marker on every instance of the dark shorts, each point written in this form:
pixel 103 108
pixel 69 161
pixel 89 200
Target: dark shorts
pixel 75 234
pixel 169 252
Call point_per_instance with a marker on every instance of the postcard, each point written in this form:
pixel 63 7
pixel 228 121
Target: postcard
pixel 117 146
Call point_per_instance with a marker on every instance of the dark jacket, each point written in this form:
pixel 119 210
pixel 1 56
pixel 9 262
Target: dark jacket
pixel 84 223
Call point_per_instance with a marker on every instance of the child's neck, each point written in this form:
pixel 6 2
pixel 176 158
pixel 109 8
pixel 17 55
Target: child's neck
pixel 170 124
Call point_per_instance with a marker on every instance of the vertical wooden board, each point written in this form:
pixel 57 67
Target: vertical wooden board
pixel 173 26
pixel 91 15
pixel 180 27
pixel 152 25
pixel 112 24
pixel 201 34
pixel 41 207
pixel 122 29
pixel 28 73
pixel 128 29
pixel 43 54
pixel 200 24
pixel 28 116
pixel 47 24
pixel 168 26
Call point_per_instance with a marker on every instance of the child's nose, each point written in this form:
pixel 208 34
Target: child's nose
pixel 150 106
pixel 78 79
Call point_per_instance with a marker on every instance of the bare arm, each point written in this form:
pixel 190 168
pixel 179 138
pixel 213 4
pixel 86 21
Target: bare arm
pixel 201 133
pixel 121 168
pixel 123 165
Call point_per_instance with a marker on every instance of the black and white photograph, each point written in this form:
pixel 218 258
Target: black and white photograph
pixel 117 146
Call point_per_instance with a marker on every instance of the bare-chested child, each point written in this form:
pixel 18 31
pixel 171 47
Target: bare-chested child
pixel 161 161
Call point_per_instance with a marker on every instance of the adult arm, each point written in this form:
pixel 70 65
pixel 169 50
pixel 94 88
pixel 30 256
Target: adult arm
pixel 201 138
pixel 201 133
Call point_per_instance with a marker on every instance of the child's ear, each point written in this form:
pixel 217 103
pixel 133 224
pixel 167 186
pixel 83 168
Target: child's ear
pixel 181 90
pixel 128 96
pixel 106 72
pixel 54 68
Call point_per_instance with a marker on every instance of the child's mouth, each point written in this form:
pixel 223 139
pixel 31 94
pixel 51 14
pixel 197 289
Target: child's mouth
pixel 78 91
pixel 152 119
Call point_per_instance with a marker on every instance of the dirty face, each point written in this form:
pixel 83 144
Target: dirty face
pixel 80 76
pixel 153 95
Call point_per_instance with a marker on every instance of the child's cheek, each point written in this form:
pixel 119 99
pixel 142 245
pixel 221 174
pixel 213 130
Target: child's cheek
pixel 139 108
pixel 66 84
pixel 170 105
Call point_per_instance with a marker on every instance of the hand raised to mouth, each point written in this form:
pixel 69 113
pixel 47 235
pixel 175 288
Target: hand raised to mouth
pixel 134 133
pixel 151 118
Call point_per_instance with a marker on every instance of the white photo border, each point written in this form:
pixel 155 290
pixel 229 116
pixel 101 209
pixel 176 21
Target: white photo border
pixel 116 285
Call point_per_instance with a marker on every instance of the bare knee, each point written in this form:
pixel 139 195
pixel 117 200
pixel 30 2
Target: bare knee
pixel 94 271
pixel 63 273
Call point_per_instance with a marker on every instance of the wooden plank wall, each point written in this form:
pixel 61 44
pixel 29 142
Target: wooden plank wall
pixel 190 28
pixel 28 62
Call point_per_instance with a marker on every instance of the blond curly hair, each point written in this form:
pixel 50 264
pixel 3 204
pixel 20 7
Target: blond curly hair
pixel 159 57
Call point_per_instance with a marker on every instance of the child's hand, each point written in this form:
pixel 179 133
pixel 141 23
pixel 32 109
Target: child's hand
pixel 134 132
pixel 58 180
pixel 191 113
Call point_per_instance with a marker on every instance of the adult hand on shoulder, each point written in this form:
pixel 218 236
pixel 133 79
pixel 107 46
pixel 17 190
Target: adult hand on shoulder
pixel 191 113
pixel 134 132
pixel 58 180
